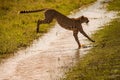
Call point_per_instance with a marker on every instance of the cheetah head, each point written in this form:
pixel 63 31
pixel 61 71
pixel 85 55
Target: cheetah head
pixel 83 19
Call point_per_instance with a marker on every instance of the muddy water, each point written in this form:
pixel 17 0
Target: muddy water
pixel 50 56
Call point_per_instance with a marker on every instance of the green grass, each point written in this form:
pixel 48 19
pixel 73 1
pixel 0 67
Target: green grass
pixel 103 61
pixel 114 5
pixel 18 30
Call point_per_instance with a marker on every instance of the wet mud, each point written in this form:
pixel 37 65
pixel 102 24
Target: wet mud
pixel 49 57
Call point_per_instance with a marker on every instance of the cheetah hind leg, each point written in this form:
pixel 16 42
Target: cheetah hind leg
pixel 48 19
pixel 38 23
pixel 45 21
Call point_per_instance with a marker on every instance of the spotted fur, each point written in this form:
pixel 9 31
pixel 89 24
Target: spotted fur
pixel 73 24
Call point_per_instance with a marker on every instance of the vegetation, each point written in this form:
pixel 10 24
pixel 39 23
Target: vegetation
pixel 18 30
pixel 103 61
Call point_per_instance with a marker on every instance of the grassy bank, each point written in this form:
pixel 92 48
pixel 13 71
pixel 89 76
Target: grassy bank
pixel 103 61
pixel 18 30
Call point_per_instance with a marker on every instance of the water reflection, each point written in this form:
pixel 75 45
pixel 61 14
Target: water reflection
pixel 77 54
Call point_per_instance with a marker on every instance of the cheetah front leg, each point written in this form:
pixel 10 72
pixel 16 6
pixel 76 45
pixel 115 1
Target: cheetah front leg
pixel 81 31
pixel 75 34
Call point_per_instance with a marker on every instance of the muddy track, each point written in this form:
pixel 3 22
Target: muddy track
pixel 50 56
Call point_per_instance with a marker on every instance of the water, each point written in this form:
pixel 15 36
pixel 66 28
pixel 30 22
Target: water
pixel 50 56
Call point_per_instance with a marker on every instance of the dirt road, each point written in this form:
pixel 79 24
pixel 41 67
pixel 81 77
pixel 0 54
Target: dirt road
pixel 50 56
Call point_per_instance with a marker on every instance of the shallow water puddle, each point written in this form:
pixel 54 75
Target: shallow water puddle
pixel 50 56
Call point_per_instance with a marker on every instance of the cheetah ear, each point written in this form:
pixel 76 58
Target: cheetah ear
pixel 82 16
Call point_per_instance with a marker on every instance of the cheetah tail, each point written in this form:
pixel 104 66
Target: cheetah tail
pixel 32 11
